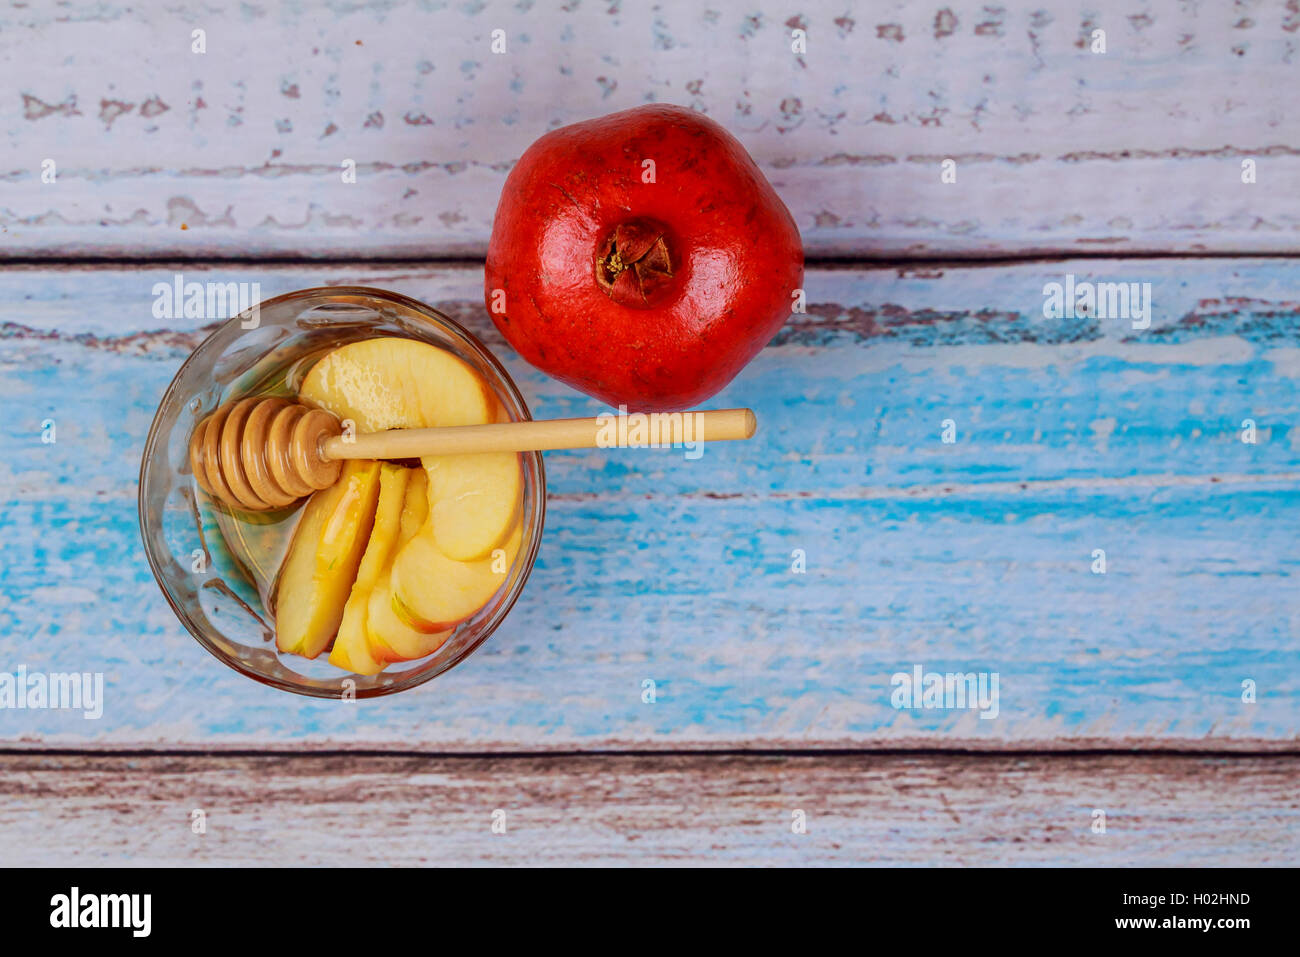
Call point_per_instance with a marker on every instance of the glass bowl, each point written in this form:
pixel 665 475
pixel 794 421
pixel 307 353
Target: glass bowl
pixel 210 586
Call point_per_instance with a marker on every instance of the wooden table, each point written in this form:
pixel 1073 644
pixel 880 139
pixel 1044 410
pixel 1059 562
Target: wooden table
pixel 1126 692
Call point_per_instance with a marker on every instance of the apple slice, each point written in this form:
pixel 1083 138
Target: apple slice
pixel 391 638
pixel 432 592
pixel 416 507
pixel 474 501
pixel 317 574
pixel 351 651
pixel 391 383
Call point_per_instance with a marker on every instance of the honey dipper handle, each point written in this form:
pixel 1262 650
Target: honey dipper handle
pixel 663 428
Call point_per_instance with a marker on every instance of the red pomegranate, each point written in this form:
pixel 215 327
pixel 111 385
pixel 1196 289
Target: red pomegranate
pixel 641 257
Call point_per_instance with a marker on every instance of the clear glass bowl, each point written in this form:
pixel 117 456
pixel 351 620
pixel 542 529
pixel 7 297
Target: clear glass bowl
pixel 204 580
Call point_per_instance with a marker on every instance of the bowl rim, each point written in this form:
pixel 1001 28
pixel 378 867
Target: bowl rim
pixel 275 681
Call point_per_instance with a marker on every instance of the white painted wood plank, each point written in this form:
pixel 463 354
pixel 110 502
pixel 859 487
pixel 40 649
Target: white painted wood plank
pixel 1073 435
pixel 237 151
pixel 673 809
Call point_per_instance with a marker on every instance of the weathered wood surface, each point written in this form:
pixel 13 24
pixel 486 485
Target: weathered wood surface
pixel 70 810
pixel 238 151
pixel 1072 435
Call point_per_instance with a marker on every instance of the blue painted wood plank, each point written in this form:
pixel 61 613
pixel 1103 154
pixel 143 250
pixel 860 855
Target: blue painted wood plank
pixel 977 556
pixel 1195 601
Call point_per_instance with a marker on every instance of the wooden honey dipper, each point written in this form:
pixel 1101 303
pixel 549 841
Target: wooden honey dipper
pixel 265 453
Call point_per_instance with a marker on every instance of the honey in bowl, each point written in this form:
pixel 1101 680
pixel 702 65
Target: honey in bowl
pixel 383 565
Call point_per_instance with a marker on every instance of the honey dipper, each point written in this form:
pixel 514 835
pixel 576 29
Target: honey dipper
pixel 265 453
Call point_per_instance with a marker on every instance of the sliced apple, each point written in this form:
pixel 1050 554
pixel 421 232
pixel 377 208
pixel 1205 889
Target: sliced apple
pixel 474 501
pixel 391 638
pixel 351 650
pixel 415 510
pixel 392 383
pixel 432 592
pixel 317 574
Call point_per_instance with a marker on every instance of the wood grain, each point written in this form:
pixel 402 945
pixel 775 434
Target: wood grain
pixel 1073 435
pixel 729 810
pixel 238 151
